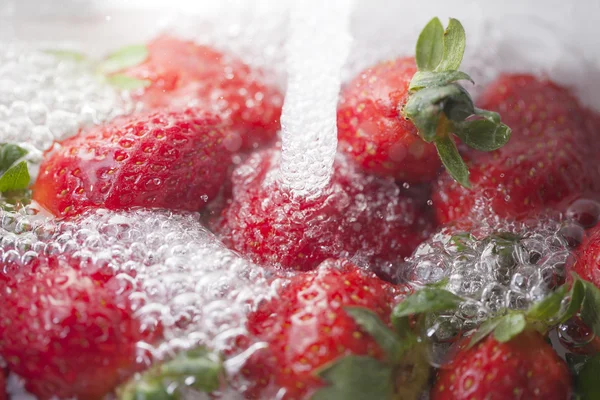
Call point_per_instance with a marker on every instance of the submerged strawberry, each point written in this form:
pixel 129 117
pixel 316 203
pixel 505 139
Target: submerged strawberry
pixel 3 394
pixel 587 257
pixel 168 159
pixel 547 163
pixel 181 73
pixel 526 367
pixel 368 219
pixel 68 333
pixel 324 321
pixel 396 117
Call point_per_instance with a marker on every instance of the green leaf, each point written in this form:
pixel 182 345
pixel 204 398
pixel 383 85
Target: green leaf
pixel 374 326
pixel 509 326
pixel 425 107
pixel 356 378
pixel 489 115
pixel 576 296
pixel 16 178
pixel 9 154
pixel 590 309
pixel 426 300
pixel 424 79
pixel 587 381
pixel 454 46
pixel 125 57
pixel 548 310
pixel 452 160
pixel 197 368
pixel 483 331
pixel 63 54
pixel 482 134
pixel 430 46
pixel 125 82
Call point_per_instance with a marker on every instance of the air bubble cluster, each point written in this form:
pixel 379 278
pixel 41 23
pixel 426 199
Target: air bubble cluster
pixel 494 265
pixel 44 98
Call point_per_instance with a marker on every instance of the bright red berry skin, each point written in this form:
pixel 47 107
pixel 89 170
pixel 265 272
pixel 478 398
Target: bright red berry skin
pixel 372 131
pixel 183 73
pixel 587 257
pixel 362 217
pixel 67 333
pixel 306 327
pixel 3 394
pixel 169 159
pixel 546 163
pixel 524 368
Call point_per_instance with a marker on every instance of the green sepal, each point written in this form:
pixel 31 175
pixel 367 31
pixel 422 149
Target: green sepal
pixel 197 368
pixel 590 308
pixel 63 54
pixel 374 326
pixel 482 134
pixel 455 41
pixel 423 79
pixel 430 46
pixel 485 329
pixel 355 378
pixel 9 154
pixel 452 160
pixel 15 178
pixel 125 82
pixel 576 296
pixel 425 107
pixel 426 300
pixel 548 310
pixel 509 326
pixel 126 57
pixel 586 381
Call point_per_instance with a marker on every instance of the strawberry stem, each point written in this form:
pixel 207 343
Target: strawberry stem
pixel 439 107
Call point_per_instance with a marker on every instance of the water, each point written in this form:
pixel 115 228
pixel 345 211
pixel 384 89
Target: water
pixel 45 99
pixel 492 272
pixel 317 47
pixel 200 291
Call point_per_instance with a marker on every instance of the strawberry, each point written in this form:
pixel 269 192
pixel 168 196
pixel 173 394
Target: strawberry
pixel 372 131
pixel 366 218
pixel 526 367
pixel 3 394
pixel 182 73
pixel 546 164
pixel 394 118
pixel 587 257
pixel 62 328
pixel 315 326
pixel 169 159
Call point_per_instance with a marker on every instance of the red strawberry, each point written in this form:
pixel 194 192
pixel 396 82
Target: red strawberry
pixel 587 257
pixel 525 367
pixel 372 131
pixel 3 394
pixel 183 73
pixel 307 327
pixel 68 333
pixel 395 118
pixel 175 160
pixel 368 219
pixel 546 163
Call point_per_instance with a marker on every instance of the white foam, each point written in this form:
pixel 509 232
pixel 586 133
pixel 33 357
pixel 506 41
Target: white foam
pixel 317 49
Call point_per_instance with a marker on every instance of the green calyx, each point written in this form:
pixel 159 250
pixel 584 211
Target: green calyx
pixel 440 108
pixel 402 374
pixel 198 369
pixel 579 296
pixel 14 175
pixel 108 68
